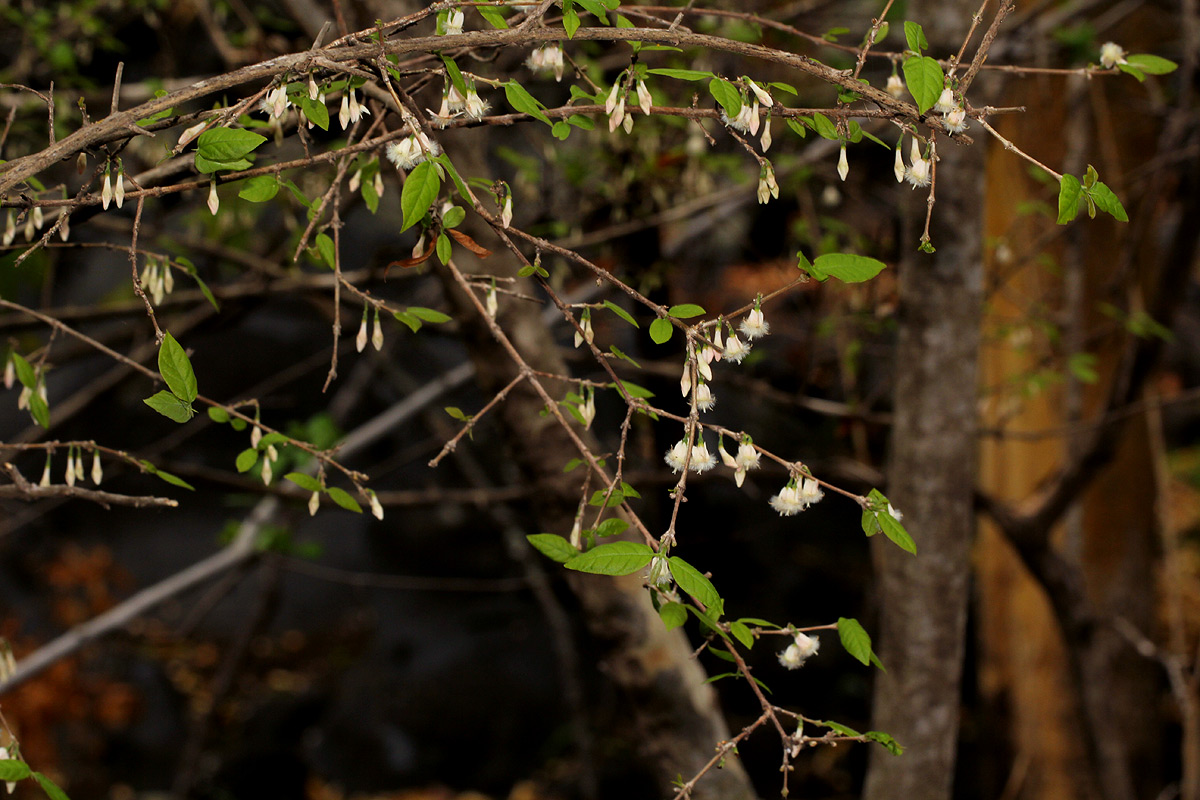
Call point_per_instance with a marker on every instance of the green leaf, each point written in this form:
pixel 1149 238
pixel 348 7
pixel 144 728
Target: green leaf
pixel 614 558
pixel 581 122
pixel 924 78
pixel 260 189
pixel 428 314
pixel 682 74
pixel 824 127
pixel 742 634
pixel 443 248
pixel 849 268
pixel 420 190
pixel 306 482
pixel 692 581
pixel 173 480
pixel 48 786
pixel 204 290
pixel 561 130
pixel 456 78
pixel 844 730
pixel 570 19
pixel 271 439
pixel 1151 64
pixel 635 391
pixel 616 351
pixel 611 527
pixel 797 127
pixel 855 639
pixel 26 374
pixel 247 459
pixel 457 413
pixel 315 111
pixel 492 15
pixel 595 9
pixel 886 740
pixel 762 623
pixel 39 410
pixel 176 369
pixel 661 330
pixel 673 615
pixel 218 415
pixel 620 312
pixel 170 406
pixel 1069 192
pixel 208 166
pixel 685 311
pixel 227 144
pixel 727 95
pixel 1106 200
pixel 786 87
pixel 1083 367
pixel 895 531
pixel 408 319
pixel 553 547
pixel 369 195
pixel 13 770
pixel 523 101
pixel 629 491
pixel 325 248
pixel 914 34
pixel 343 499
pixel 614 498
pixel 454 216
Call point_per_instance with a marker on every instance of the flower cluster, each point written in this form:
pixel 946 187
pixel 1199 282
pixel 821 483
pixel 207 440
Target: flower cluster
pixel 919 172
pixel 157 278
pixel 954 116
pixel 351 111
pixel 793 498
pixel 548 58
pixel 411 151
pixel 700 461
pixel 800 650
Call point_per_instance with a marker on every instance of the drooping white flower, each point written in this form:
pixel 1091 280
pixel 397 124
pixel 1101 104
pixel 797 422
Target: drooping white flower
pixel 79 473
pixel 945 102
pixel 702 460
pixel 726 459
pixel 313 90
pixel 896 515
pixel 765 140
pixel 956 120
pixel 507 211
pixel 587 409
pixel 718 345
pixel 617 116
pixel 843 164
pixel 644 100
pixel 703 366
pixel 64 227
pixel 355 180
pixel 810 492
pixel 610 102
pixel 344 111
pixel 919 173
pixel 491 303
pixel 735 348
pixel 549 57
pixel 764 188
pixel 704 397
pixel 753 327
pixel 895 86
pixel 1111 54
pixel 360 342
pixel 255 435
pixel 576 533
pixel 10 372
pixel 677 455
pixel 376 506
pixel 685 380
pixel 899 170
pixel 476 107
pixel 191 133
pixel 314 502
pixel 118 192
pixel 69 475
pixel 747 457
pixel 214 202
pixel 659 571
pixel 799 651
pixel 454 23
pixel 106 191
pixel 788 501
pixel 97 470
pixel 266 472
pixel 377 184
pixel 762 94
pixel 10 229
pixel 586 333
pixel 627 123
pixel 377 333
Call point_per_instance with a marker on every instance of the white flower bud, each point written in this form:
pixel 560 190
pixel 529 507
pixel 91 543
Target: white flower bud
pixel 10 373
pixel 507 212
pixel 491 303
pixel 376 506
pixel 10 229
pixel 685 380
pixel 314 503
pixel 765 141
pixel 610 102
pixel 344 112
pixel 191 133
pixel 119 188
pixel 106 191
pixel 69 475
pixel 843 167
pixel 360 342
pixel 898 167
pixel 627 123
pixel 377 333
pixel 272 453
pixel 644 99
pixel 576 533
pixel 762 94
pixel 39 220
pixel 313 91
pixel 214 202
pixel 64 228
pixel 895 86
pixel 97 470
pixel 266 472
pixel 255 436
pixel 454 23
pixel 45 481
pixel 726 459
pixel 79 473
pixel 617 116
pixel 355 181
pixel 378 184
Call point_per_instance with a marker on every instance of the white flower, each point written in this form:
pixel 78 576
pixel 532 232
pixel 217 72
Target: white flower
pixel 587 409
pixel 585 324
pixel 956 120
pixel 97 470
pixel 617 116
pixel 377 333
pixel 357 111
pixel 810 492
pixel 45 481
pixel 454 23
pixel 106 191
pixel 10 373
pixel 255 436
pixel 610 102
pixel 64 229
pixel 313 91
pixel 476 108
pixel 1111 54
pixel 764 188
pixel 214 202
pixel 788 501
pixel 843 164
pixel 914 150
pixel 704 397
pixel 191 133
pixel 576 533
pixel 355 180
pixel 405 154
pixel 360 342
pixel 762 94
pixel 703 366
pixel 945 102
pixel 507 211
pixel 896 515
pixel 719 345
pixel 677 455
pixel 702 460
pixel 118 194
pixel 491 304
pixel 746 120
pixel 644 100
pixel 314 503
pixel 266 472
pixel 455 102
pixel 726 459
pixel 627 123
pixel 899 169
pixel 441 118
pixel 79 465
pixel 735 348
pixel 659 571
pixel 377 184
pixel 344 111
pixel 752 327
pixel 376 506
pixel 895 86
pixel 919 173
pixel 549 57
pixel 747 457
pixel 685 380
pixel 765 140
pixel 799 651
pixel 69 475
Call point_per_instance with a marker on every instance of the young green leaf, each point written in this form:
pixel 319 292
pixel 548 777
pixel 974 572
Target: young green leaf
pixel 176 370
pixel 895 531
pixel 173 480
pixel 325 248
pixel 824 126
pixel 246 459
pixel 218 415
pixel 170 406
pixel 620 312
pixel 661 330
pixel 742 634
pixel 614 558
pixel 523 101
pixel 428 314
pixel 315 111
pixel 1106 200
pixel 14 770
pixel 226 145
pixel 844 730
pixel 885 739
pixel 849 268
pixel 49 787
pixel 855 639
pixel 682 74
pixel 343 499
pixel 923 76
pixel 260 189
pixel 1069 191
pixel 611 527
pixel 553 547
pixel 25 371
pixel 492 15
pixel 421 188
pixel 1151 64
pixel 914 35
pixel 673 615
pixel 725 94
pixel 306 482
pixel 692 581
pixel 685 311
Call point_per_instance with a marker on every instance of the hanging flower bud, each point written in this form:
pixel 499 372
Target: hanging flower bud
pixel 106 191
pixel 377 333
pixel 585 324
pixel 255 434
pixel 378 184
pixel 360 342
pixel 314 503
pixel 79 473
pixel 344 111
pixel 29 230
pixel 685 380
pixel 10 229
pixel 898 167
pixel 188 135
pixel 617 115
pixel 762 94
pixel 843 164
pixel 10 372
pixel 914 150
pixel 266 472
pixel 627 123
pixel 765 140
pixel 64 227
pixel 45 481
pixel 214 202
pixel 895 86
pixel 119 188
pixel 39 220
pixel 97 470
pixel 587 409
pixel 80 162
pixel 376 506
pixel 491 303
pixel 313 91
pixel 507 212
pixel 726 459
pixel 610 102
pixel 644 99
pixel 69 475
pixel 355 180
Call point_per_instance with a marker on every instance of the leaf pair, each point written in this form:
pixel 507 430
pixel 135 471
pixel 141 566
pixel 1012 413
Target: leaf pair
pixel 176 371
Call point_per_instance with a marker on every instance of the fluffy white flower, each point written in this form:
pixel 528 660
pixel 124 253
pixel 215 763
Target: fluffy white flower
pixel 476 107
pixel 810 492
pixel 659 571
pixel 1111 54
pixel 677 455
pixel 956 120
pixel 788 501
pixel 896 515
pixel 752 327
pixel 799 651
pixel 735 348
pixel 702 460
pixel 454 23
pixel 455 102
pixel 704 397
pixel 919 173
pixel 945 102
pixel 549 57
pixel 747 457
pixel 407 153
